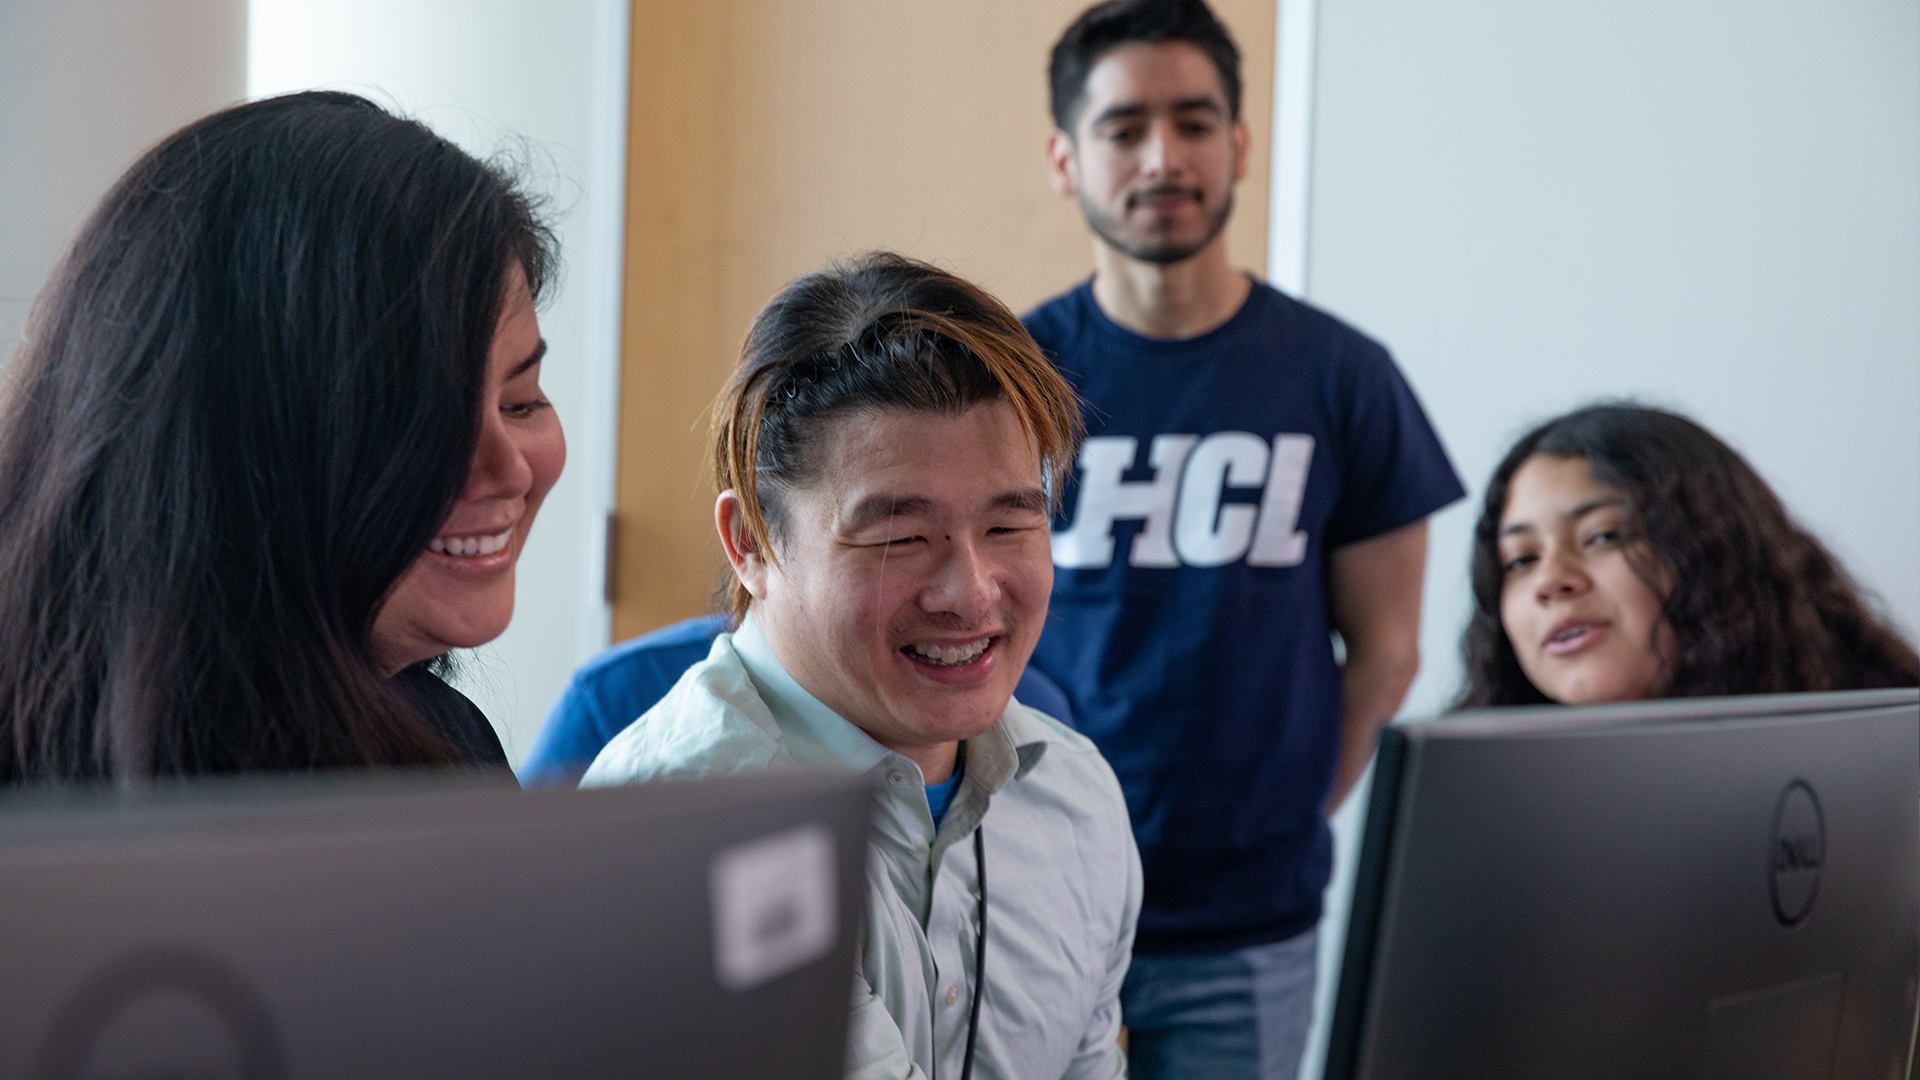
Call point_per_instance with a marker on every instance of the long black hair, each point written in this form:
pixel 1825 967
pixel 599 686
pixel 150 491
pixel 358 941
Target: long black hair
pixel 247 401
pixel 1757 604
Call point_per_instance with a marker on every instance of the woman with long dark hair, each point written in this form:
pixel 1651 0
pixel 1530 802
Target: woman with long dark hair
pixel 1625 552
pixel 271 448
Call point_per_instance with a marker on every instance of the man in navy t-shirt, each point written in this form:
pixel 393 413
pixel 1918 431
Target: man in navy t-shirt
pixel 1256 476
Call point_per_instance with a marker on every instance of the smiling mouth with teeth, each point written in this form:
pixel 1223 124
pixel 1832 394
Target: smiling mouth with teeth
pixel 949 655
pixel 470 546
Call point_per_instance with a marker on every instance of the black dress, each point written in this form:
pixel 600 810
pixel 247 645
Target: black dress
pixel 459 719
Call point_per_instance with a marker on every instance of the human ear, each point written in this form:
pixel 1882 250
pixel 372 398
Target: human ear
pixel 1061 164
pixel 1242 146
pixel 749 563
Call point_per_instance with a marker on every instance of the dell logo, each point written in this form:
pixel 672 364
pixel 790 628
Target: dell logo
pixel 1798 853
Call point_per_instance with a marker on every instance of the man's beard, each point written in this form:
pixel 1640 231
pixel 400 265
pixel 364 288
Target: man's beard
pixel 1159 252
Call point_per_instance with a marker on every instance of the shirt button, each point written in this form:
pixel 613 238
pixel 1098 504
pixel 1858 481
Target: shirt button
pixel 953 995
pixel 897 779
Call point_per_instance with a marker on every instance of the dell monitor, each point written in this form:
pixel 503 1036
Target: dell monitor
pixel 432 929
pixel 1701 888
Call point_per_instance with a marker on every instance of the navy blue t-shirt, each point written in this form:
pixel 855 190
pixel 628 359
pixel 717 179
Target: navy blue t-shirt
pixel 611 690
pixel 1189 624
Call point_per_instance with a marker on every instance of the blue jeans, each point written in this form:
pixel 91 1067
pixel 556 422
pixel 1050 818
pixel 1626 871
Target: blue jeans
pixel 1237 1015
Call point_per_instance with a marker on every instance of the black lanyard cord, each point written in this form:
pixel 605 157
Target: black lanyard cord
pixel 979 948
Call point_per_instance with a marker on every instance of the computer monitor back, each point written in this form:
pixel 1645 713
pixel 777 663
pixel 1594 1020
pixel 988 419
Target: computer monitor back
pixel 1712 889
pixel 407 929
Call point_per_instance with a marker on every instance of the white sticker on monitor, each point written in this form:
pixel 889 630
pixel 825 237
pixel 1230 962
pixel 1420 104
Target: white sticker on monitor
pixel 773 906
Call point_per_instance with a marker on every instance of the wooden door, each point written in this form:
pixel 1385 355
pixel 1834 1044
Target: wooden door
pixel 767 136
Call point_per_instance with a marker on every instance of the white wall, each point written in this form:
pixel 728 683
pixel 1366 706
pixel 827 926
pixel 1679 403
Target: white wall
pixel 66 132
pixel 1712 204
pixel 546 82
pixel 1709 204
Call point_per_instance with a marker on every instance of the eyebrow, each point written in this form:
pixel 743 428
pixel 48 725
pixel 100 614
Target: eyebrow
pixel 539 351
pixel 1023 499
pixel 1575 514
pixel 877 508
pixel 1130 112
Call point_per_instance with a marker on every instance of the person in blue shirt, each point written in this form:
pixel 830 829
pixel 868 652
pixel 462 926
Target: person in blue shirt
pixel 1256 478
pixel 619 684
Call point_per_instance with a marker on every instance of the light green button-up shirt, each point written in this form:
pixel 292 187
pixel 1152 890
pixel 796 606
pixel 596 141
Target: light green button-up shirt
pixel 1063 874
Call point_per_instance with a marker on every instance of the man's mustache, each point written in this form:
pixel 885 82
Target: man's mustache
pixel 1134 200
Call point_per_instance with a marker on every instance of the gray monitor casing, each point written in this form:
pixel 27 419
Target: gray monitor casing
pixel 1636 891
pixel 419 929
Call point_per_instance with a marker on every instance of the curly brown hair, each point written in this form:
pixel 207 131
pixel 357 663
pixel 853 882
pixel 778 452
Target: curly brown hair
pixel 1757 604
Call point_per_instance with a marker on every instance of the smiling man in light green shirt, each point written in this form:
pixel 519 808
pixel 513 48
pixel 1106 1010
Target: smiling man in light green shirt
pixel 886 452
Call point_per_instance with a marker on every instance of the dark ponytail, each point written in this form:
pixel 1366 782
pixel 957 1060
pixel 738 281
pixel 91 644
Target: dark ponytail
pixel 878 332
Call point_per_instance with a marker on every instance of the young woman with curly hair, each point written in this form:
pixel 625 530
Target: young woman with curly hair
pixel 1624 552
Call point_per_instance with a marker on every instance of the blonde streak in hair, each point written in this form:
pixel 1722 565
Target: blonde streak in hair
pixel 1050 399
pixel 1061 406
pixel 736 437
pixel 729 478
pixel 1026 377
pixel 748 463
pixel 992 348
pixel 1041 398
pixel 719 470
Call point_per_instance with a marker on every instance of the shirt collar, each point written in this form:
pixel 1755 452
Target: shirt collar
pixel 816 735
pixel 819 737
